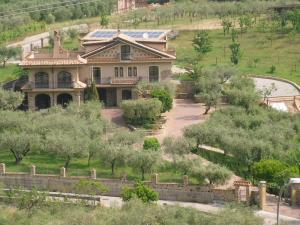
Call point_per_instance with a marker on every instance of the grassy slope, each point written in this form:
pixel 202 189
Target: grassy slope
pixel 50 164
pixel 8 73
pixel 283 53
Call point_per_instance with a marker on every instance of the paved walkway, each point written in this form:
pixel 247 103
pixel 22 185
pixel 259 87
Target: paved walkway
pixel 184 113
pixel 283 88
pixel 269 218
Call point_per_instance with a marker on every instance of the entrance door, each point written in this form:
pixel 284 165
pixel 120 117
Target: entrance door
pixel 42 101
pixel 103 95
pixel 126 94
pixel 111 97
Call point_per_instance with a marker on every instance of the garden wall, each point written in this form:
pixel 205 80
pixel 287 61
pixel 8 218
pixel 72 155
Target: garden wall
pixel 167 191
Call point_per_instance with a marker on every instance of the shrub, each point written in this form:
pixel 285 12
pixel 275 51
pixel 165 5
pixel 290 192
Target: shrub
pixel 151 143
pixel 140 191
pixel 165 97
pixel 10 100
pixel 274 172
pixel 142 111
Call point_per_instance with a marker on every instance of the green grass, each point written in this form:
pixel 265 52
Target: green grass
pixel 283 53
pixel 8 73
pixel 51 164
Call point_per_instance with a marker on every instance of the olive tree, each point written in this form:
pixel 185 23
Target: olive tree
pixel 7 53
pixel 10 100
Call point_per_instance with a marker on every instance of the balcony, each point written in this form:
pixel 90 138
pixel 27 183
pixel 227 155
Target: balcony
pixel 44 85
pixel 40 85
pixel 65 85
pixel 125 56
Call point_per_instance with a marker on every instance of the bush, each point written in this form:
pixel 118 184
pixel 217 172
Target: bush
pixel 141 192
pixel 10 100
pixel 151 143
pixel 165 97
pixel 142 111
pixel 274 172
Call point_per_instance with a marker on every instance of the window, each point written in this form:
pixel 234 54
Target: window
pixel 64 79
pixel 125 52
pixel 153 74
pixel 132 71
pixel 119 72
pixel 97 75
pixel 41 80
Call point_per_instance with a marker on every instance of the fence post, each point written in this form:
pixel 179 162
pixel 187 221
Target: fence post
pixel 32 170
pixel 154 179
pixel 293 196
pixel 62 172
pixel 185 180
pixel 93 174
pixel 262 194
pixel 2 168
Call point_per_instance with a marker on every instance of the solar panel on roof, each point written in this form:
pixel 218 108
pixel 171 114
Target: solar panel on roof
pixel 133 34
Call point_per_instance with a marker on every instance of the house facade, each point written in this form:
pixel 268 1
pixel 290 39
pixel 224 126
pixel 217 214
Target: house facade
pixel 115 60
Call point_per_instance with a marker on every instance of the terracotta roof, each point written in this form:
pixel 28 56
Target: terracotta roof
pixel 52 61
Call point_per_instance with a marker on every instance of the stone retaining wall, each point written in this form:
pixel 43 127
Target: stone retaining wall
pixel 167 191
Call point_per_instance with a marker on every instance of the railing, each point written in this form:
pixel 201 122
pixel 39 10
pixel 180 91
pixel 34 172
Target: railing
pixel 126 56
pixel 41 85
pixel 65 85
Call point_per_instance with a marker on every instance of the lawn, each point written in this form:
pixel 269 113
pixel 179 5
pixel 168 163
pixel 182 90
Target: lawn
pixel 258 53
pixel 10 72
pixel 51 164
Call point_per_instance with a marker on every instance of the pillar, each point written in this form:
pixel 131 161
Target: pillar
pixel 93 174
pixel 2 168
pixel 262 194
pixel 32 170
pixel 185 180
pixel 248 194
pixel 293 196
pixel 236 193
pixel 154 179
pixel 63 172
pixel 78 98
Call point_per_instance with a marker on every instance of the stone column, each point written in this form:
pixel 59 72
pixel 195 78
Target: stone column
pixel 78 98
pixel 154 179
pixel 185 180
pixel 248 194
pixel 32 170
pixel 2 168
pixel 236 193
pixel 63 172
pixel 293 196
pixel 93 174
pixel 262 194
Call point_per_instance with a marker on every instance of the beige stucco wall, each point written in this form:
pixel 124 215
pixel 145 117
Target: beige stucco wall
pixel 108 70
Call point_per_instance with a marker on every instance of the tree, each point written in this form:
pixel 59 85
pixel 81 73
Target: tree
pixel 144 161
pixel 226 24
pixel 151 143
pixel 164 96
pixel 140 191
pixel 202 43
pixel 176 146
pixel 89 187
pixel 10 100
pixel 7 53
pixel 72 33
pixel 235 53
pixel 92 93
pixel 118 147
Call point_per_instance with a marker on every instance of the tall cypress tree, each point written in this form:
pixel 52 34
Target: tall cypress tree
pixel 92 94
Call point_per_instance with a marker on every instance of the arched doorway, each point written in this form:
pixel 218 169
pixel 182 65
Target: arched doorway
pixel 64 99
pixel 42 101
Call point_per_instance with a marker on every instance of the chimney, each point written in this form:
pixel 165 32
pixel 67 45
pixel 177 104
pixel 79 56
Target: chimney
pixel 57 44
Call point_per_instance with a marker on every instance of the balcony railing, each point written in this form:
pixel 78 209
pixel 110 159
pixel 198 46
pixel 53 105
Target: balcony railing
pixel 41 85
pixel 65 85
pixel 126 56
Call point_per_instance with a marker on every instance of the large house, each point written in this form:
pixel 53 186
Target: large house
pixel 115 60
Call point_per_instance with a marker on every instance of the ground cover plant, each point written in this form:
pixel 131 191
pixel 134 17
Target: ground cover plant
pixel 133 212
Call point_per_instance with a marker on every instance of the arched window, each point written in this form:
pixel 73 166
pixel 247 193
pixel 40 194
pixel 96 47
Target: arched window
pixel 64 79
pixel 41 80
pixel 153 74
